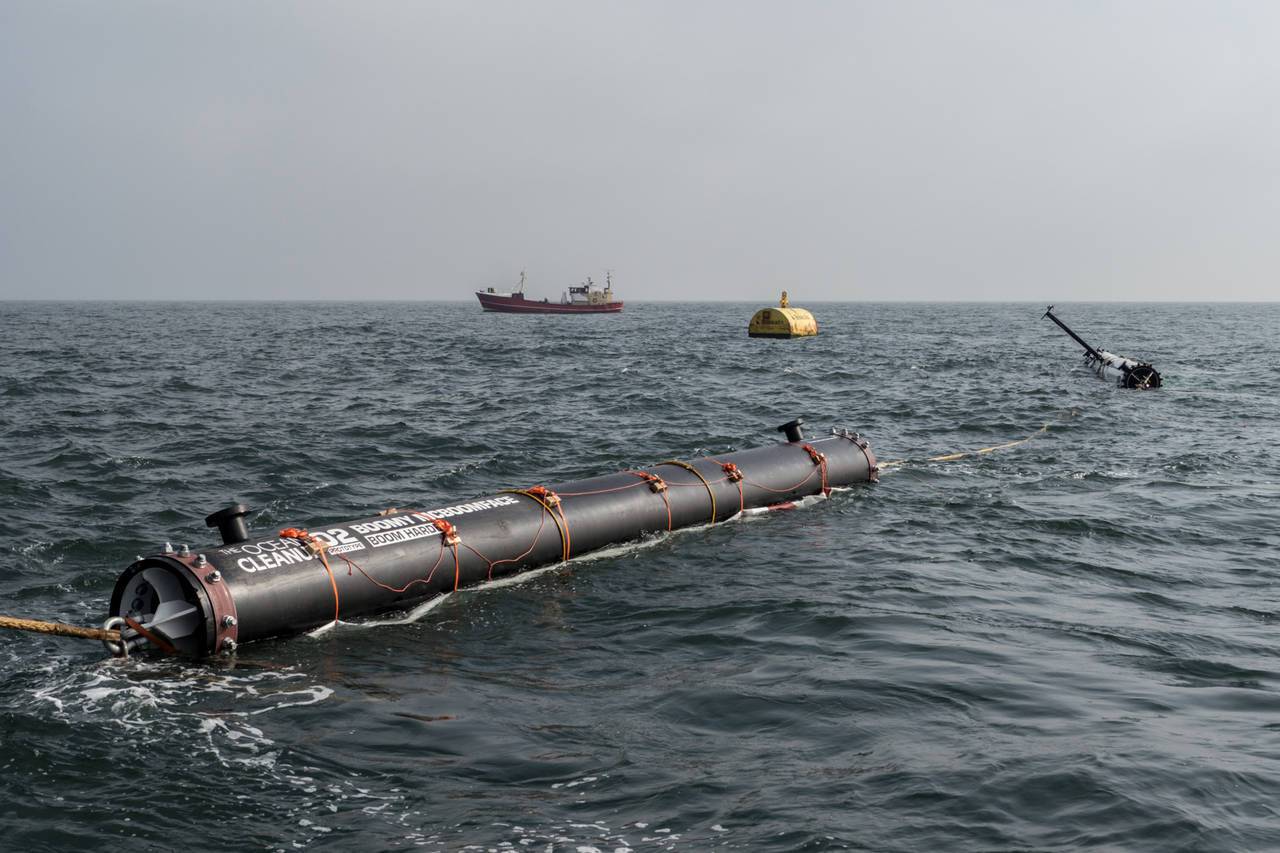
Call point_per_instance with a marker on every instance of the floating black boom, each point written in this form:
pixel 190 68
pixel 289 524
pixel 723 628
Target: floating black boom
pixel 250 589
pixel 1125 372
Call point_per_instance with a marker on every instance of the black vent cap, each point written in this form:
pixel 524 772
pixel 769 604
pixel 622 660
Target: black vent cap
pixel 230 523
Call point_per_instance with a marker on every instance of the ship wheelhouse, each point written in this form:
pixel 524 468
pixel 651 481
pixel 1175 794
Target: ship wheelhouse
pixel 588 294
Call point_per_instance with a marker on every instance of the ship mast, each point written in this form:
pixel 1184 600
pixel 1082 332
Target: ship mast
pixel 521 290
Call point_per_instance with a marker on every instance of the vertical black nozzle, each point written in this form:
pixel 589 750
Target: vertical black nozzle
pixel 792 429
pixel 230 523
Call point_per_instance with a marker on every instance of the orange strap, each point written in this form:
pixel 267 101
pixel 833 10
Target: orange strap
pixel 658 485
pixel 318 548
pixel 733 475
pixel 449 532
pixel 453 540
pixel 550 502
pixel 448 537
pixel 819 459
pixel 545 495
pixel 694 471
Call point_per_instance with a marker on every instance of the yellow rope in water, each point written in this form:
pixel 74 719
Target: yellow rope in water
pixel 951 457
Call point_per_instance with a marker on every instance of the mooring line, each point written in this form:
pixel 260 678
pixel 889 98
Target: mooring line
pixel 951 457
pixel 59 629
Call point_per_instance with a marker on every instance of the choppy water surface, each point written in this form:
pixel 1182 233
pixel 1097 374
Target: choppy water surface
pixel 1067 644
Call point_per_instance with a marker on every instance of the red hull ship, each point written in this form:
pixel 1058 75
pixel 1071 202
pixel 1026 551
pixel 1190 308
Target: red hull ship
pixel 578 300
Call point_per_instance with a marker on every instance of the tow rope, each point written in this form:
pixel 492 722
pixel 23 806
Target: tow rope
pixel 981 451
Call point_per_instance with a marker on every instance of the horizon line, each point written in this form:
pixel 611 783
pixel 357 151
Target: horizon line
pixel 395 300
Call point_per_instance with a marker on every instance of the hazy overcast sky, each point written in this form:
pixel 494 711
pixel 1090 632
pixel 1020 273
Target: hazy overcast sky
pixel 701 150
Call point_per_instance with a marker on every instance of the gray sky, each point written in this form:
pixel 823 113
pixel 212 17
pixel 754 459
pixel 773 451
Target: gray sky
pixel 702 150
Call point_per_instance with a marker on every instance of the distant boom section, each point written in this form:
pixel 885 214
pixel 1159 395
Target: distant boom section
pixel 1123 371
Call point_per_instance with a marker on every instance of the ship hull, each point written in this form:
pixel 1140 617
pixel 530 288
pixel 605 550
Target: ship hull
pixel 517 304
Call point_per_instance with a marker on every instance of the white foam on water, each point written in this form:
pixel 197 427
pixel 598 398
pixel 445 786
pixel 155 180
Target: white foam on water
pixel 412 616
pixel 35 547
pixel 163 704
pixel 313 695
pixel 576 782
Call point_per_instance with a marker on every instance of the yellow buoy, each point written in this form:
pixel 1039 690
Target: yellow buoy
pixel 782 322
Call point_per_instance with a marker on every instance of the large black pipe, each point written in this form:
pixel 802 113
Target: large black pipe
pixel 296 581
pixel 1125 372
